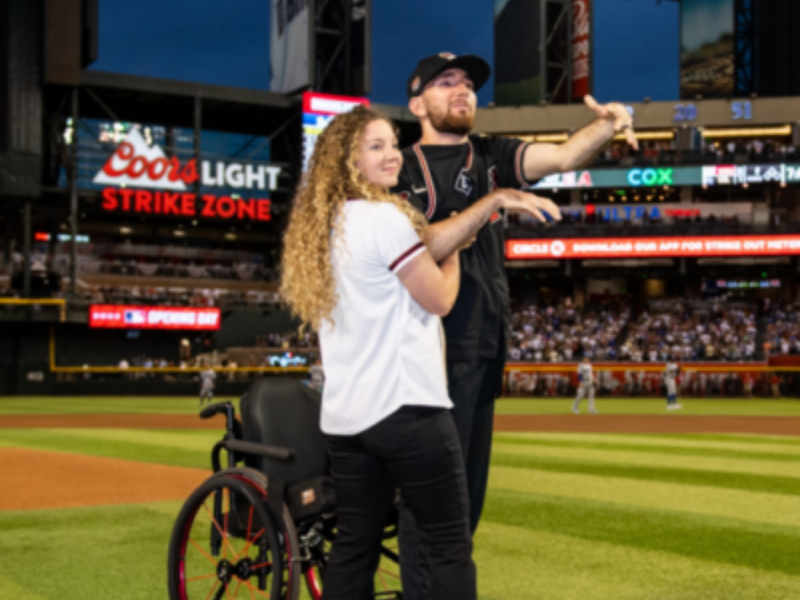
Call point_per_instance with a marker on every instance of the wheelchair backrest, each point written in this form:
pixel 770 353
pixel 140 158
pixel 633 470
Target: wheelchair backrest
pixel 281 411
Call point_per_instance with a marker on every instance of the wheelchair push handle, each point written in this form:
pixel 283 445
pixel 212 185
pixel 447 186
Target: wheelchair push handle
pixel 285 455
pixel 214 409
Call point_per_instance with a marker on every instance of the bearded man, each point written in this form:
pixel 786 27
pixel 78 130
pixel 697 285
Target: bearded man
pixel 463 183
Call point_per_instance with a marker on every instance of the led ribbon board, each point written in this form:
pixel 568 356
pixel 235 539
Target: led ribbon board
pixel 117 316
pixel 654 247
pixel 655 177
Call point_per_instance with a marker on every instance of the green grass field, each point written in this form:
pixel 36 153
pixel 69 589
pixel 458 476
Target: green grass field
pixel 35 405
pixel 569 516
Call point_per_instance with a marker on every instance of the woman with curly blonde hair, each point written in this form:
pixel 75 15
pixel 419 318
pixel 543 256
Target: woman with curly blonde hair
pixel 356 267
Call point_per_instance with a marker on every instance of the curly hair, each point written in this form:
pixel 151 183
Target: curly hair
pixel 316 221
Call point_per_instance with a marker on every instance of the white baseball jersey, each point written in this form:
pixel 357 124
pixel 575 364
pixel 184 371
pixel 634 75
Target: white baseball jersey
pixel 381 349
pixel 670 375
pixel 207 378
pixel 585 374
pixel 671 372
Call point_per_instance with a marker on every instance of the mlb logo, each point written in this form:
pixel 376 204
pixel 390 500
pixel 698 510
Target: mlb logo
pixel 134 317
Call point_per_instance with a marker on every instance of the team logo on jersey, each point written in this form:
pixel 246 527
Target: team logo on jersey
pixel 404 195
pixel 463 183
pixel 447 55
pixel 494 179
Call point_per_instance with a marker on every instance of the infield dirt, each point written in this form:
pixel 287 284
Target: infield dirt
pixel 41 479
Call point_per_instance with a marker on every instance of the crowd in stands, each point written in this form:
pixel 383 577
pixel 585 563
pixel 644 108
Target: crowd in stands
pixel 160 296
pixel 292 339
pixel 752 149
pixel 163 296
pixel 554 332
pixel 146 362
pixel 783 329
pixel 165 261
pixel 727 151
pixel 679 331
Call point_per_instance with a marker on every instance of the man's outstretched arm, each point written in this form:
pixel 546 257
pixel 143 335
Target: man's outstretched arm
pixel 445 237
pixel 582 147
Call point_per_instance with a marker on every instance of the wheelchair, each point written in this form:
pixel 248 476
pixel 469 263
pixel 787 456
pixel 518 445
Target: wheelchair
pixel 262 527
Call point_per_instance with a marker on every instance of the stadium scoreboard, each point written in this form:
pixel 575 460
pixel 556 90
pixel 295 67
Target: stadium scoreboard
pixel 318 111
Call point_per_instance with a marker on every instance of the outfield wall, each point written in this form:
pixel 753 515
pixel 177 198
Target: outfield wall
pixel 31 364
pixel 696 379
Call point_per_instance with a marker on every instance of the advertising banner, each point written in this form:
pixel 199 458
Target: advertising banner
pixel 117 316
pixel 654 247
pixel 145 169
pixel 581 48
pixel 622 178
pixel 290 45
pixel 707 48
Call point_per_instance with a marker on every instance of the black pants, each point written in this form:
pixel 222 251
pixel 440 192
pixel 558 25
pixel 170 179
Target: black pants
pixel 417 450
pixel 473 387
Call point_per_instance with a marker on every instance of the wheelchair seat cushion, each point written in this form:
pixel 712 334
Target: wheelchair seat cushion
pixel 281 411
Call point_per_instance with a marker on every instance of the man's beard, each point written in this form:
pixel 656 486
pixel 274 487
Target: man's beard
pixel 460 124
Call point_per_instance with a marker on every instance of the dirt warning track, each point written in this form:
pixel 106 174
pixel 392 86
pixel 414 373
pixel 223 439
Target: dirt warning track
pixel 533 423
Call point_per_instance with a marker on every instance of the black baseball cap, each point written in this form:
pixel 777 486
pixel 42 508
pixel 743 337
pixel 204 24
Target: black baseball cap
pixel 477 70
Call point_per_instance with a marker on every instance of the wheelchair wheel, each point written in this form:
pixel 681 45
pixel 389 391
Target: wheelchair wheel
pixel 226 544
pixel 387 578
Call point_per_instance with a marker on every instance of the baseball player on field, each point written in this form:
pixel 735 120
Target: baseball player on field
pixel 585 387
pixel 670 377
pixel 207 379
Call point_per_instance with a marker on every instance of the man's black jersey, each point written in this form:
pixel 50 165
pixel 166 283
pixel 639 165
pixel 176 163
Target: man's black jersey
pixel 440 180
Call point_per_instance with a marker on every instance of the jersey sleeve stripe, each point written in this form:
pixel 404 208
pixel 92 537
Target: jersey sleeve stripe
pixel 406 256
